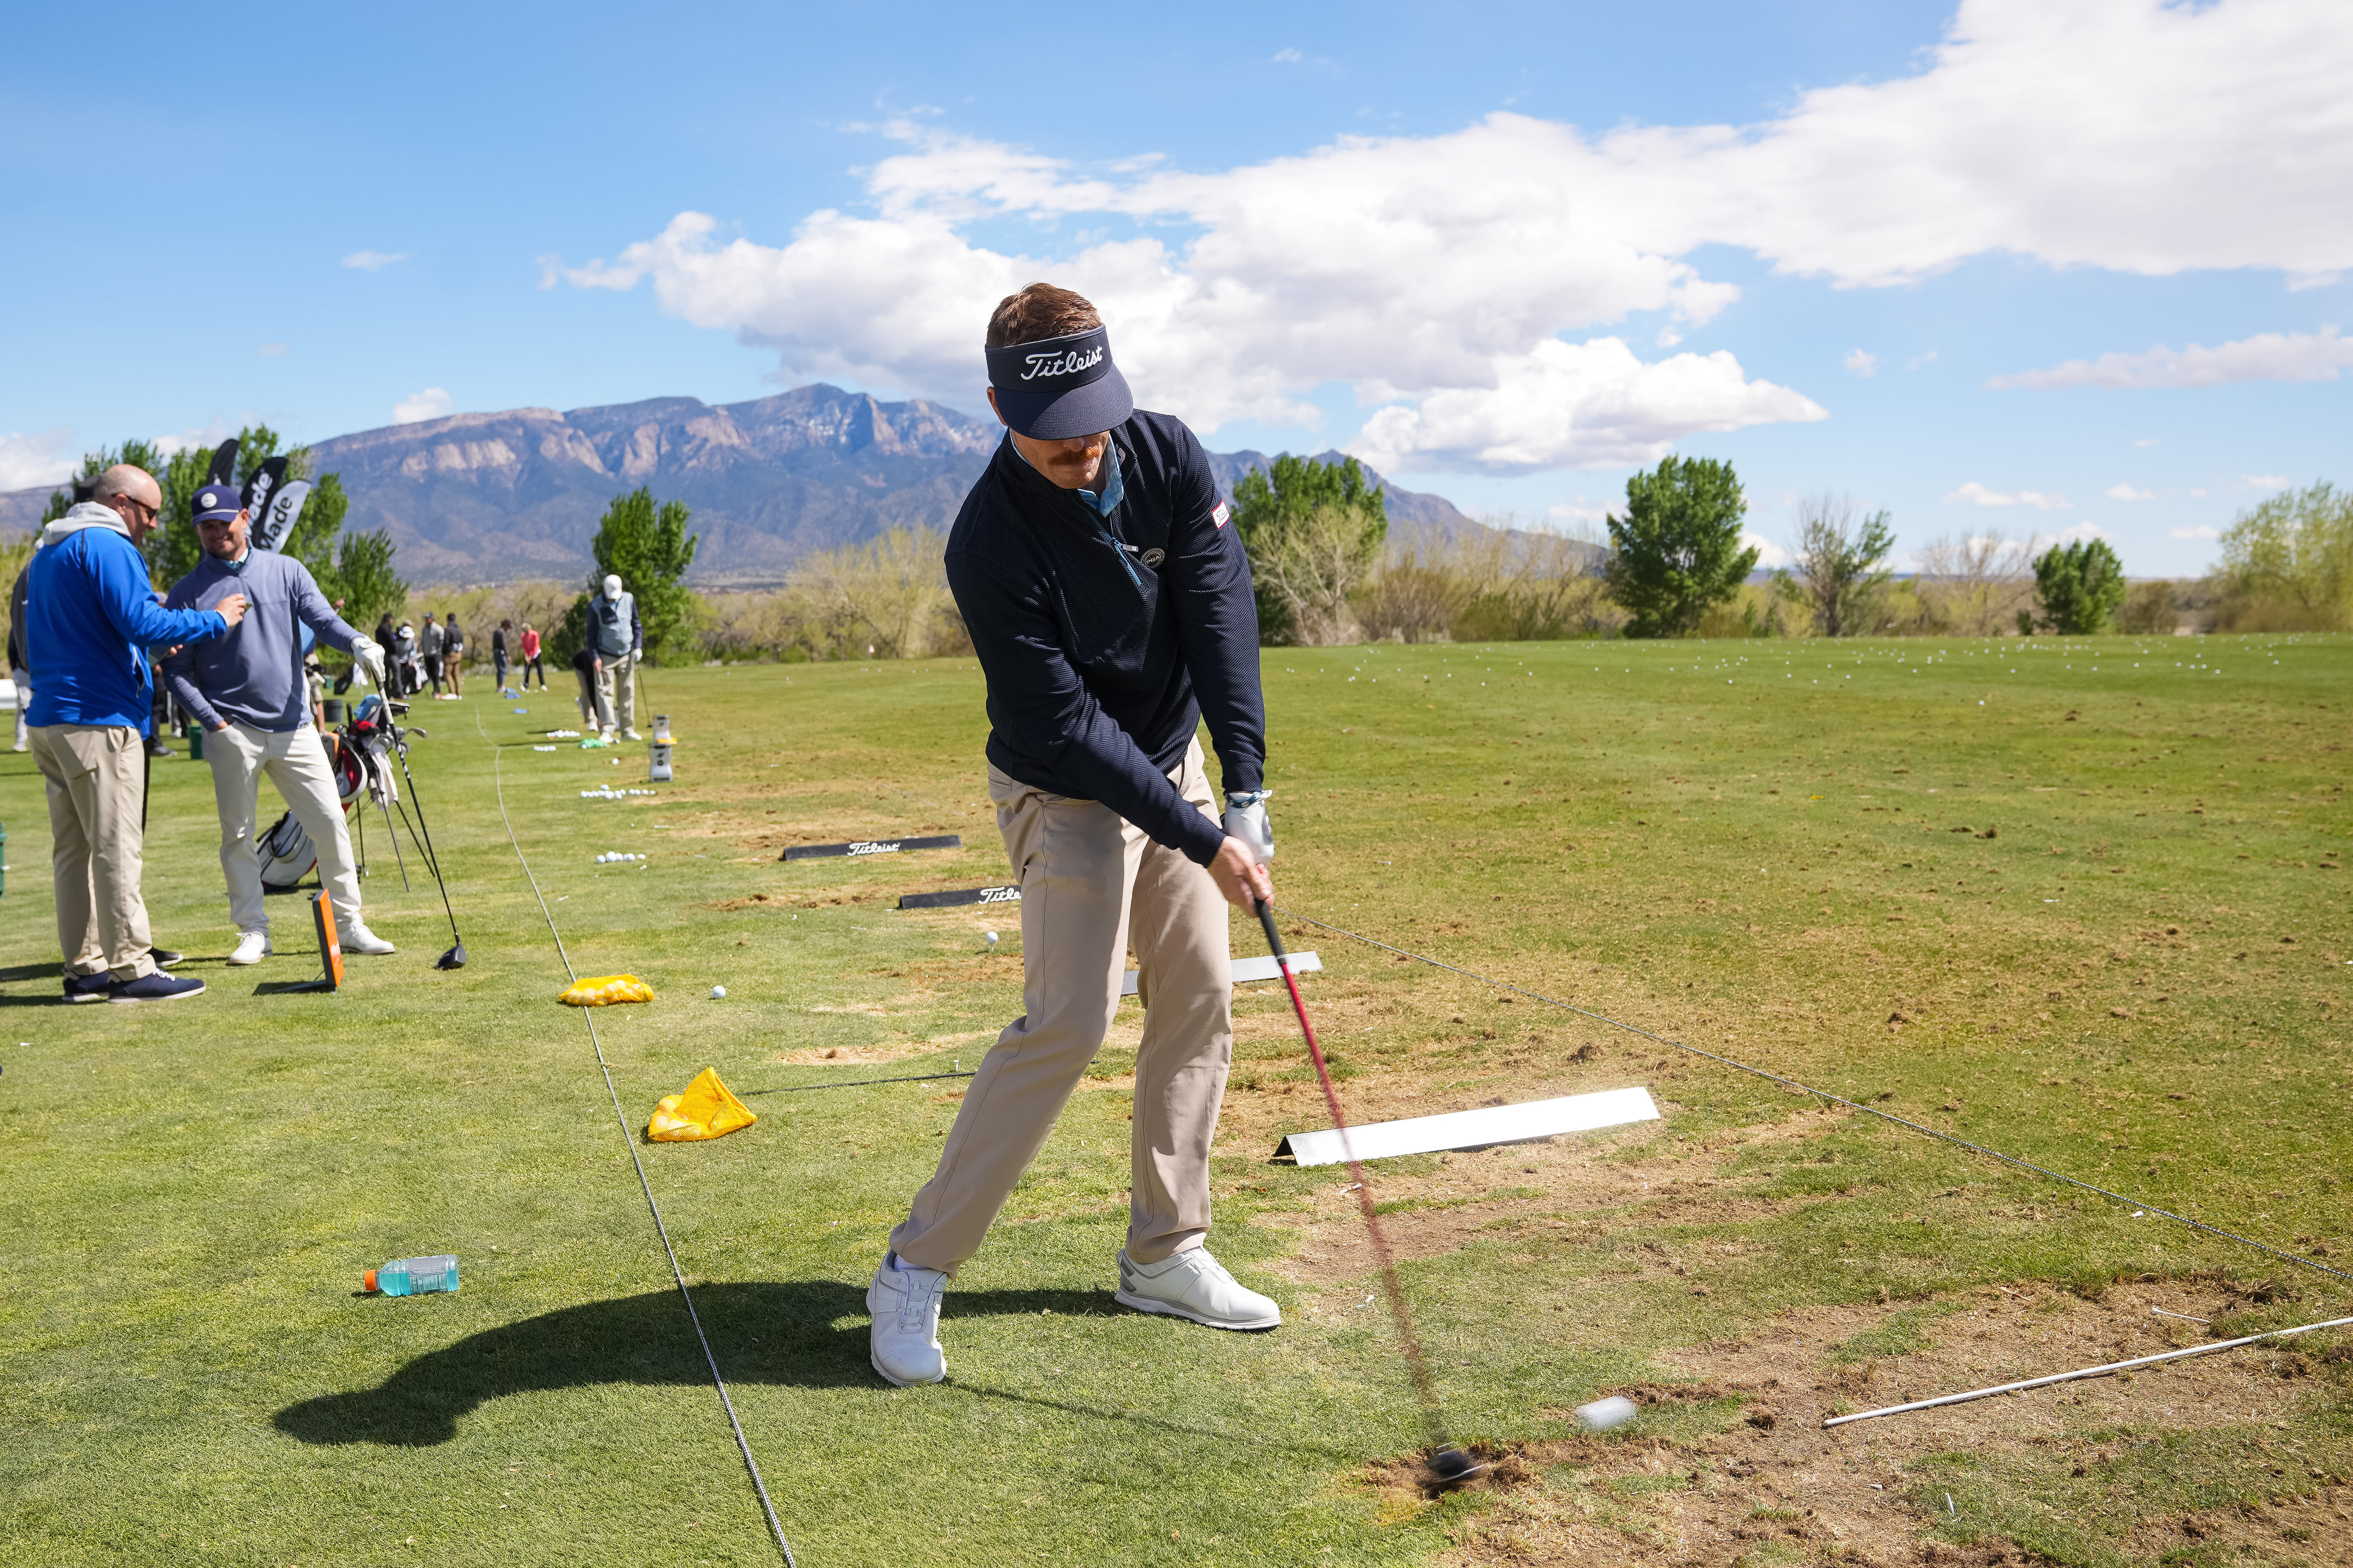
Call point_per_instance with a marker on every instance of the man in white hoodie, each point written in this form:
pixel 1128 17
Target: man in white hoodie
pixel 91 624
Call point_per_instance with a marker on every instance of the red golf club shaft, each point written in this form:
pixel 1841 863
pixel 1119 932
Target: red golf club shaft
pixel 1422 1386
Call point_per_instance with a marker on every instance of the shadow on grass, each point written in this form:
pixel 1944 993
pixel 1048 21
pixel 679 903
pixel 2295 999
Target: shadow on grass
pixel 788 1332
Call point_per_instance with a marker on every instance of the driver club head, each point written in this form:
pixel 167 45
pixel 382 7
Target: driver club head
pixel 453 958
pixel 1449 1467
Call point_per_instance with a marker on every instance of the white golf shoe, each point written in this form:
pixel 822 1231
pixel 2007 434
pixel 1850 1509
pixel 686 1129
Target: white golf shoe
pixel 354 937
pixel 1193 1285
pixel 904 1341
pixel 252 947
pixel 632 734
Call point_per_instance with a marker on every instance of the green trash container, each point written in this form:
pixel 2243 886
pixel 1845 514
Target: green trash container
pixel 195 734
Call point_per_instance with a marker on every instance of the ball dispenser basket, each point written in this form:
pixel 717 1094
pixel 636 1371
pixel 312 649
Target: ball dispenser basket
pixel 657 762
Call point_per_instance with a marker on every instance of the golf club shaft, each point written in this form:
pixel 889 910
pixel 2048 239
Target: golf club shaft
pixel 1415 1362
pixel 432 859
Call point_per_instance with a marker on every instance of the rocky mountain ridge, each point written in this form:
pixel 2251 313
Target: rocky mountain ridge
pixel 487 498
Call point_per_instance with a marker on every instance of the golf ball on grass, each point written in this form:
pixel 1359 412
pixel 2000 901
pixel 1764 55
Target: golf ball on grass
pixel 719 994
pixel 1603 1414
pixel 992 938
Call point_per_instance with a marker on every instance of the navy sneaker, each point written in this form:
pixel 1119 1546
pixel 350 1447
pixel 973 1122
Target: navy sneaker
pixel 156 988
pixel 164 957
pixel 89 987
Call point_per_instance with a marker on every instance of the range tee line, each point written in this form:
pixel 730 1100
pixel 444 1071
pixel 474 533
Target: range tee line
pixel 621 1118
pixel 1825 1094
pixel 2114 1366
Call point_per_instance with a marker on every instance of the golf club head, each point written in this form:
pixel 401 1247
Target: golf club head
pixel 453 958
pixel 1448 1468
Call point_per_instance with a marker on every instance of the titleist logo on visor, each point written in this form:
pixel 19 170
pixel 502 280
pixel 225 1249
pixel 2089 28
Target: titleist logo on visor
pixel 1053 365
pixel 1069 362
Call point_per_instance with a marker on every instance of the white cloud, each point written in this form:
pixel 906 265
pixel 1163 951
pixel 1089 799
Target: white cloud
pixel 1978 495
pixel 2198 495
pixel 271 350
pixel 1288 57
pixel 432 403
pixel 1861 363
pixel 1581 509
pixel 1421 267
pixel 2145 441
pixel 1589 406
pixel 39 458
pixel 1768 554
pixel 373 260
pixel 2125 492
pixel 2083 530
pixel 2203 530
pixel 2265 481
pixel 2267 356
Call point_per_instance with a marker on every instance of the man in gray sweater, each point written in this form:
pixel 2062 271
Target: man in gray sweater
pixel 247 690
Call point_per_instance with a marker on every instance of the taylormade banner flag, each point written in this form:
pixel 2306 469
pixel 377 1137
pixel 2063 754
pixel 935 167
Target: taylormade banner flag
pixel 271 528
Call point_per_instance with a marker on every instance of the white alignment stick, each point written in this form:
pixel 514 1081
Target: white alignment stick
pixel 2077 1376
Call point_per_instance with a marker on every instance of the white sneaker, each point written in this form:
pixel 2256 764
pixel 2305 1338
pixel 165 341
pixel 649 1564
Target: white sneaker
pixel 252 947
pixel 1193 1285
pixel 354 937
pixel 904 1341
pixel 632 734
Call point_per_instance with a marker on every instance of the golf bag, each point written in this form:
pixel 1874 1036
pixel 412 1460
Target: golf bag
pixel 357 755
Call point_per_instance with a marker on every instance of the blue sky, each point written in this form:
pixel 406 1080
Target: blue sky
pixel 1507 253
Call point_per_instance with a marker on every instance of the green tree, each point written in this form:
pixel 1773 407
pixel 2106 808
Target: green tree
pixel 361 580
pixel 1677 551
pixel 649 548
pixel 1842 564
pixel 139 455
pixel 2295 550
pixel 1314 533
pixel 2080 585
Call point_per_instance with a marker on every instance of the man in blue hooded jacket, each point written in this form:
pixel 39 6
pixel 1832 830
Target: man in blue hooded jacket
pixel 91 623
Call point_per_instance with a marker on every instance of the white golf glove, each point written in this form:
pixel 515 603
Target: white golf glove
pixel 368 655
pixel 1246 820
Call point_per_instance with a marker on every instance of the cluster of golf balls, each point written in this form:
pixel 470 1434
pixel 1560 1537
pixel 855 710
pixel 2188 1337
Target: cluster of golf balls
pixel 606 792
pixel 616 857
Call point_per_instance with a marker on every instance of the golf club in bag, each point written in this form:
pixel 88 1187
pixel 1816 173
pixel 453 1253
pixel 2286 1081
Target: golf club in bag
pixel 1449 1466
pixel 456 957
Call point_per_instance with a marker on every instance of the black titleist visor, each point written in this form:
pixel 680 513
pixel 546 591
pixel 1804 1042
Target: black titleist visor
pixel 1060 387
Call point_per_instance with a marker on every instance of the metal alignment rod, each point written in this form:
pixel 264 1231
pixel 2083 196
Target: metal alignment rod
pixel 2114 1366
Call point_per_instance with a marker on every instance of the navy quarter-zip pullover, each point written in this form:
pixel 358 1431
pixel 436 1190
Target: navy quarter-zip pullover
pixel 1107 639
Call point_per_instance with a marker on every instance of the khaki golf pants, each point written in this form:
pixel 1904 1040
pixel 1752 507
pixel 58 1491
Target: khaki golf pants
pixel 97 775
pixel 296 762
pixel 616 684
pixel 1090 882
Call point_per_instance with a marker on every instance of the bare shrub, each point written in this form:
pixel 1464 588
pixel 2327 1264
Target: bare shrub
pixel 888 597
pixel 1974 584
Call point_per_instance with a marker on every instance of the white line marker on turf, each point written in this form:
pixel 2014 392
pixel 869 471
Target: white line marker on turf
pixel 1479 1129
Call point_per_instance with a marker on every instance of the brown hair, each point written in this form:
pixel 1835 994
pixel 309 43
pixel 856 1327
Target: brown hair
pixel 1037 312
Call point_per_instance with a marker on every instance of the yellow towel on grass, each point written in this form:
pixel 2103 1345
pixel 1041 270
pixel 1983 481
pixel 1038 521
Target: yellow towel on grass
pixel 705 1110
pixel 603 990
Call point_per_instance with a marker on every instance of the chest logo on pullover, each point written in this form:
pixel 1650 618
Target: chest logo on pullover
pixel 1065 364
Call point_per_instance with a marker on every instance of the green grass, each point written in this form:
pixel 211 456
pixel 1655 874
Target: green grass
pixel 2139 978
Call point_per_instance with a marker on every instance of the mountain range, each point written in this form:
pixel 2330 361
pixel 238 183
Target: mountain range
pixel 489 498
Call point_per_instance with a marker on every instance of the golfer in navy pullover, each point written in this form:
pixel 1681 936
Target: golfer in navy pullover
pixel 248 692
pixel 1109 602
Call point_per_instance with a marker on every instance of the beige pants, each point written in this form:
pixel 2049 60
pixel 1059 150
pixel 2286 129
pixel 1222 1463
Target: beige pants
pixel 1090 881
pixel 617 684
pixel 97 791
pixel 296 763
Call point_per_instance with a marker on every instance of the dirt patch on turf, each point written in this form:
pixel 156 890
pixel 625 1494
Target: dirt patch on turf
pixel 1734 1466
pixel 892 1051
pixel 1565 1187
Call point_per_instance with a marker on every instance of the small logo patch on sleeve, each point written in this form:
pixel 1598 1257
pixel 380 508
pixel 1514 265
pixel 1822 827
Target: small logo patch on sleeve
pixel 1218 514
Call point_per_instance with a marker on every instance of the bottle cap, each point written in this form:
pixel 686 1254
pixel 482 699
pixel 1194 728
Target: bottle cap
pixel 368 1281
